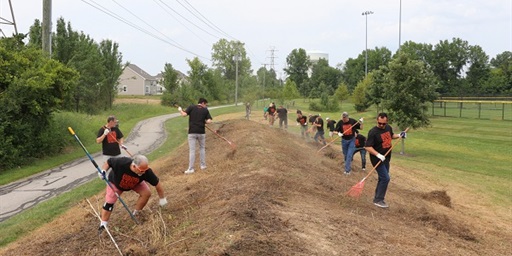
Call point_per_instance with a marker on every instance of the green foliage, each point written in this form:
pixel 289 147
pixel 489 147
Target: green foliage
pixel 341 92
pixel 33 87
pixel 290 90
pixel 326 103
pixel 361 100
pixel 323 73
pixel 297 67
pixel 407 86
pixel 354 69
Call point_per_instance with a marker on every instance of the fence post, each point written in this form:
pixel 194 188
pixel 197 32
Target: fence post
pixel 479 109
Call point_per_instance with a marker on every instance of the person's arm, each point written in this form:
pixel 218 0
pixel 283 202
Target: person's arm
pixel 160 190
pixel 103 135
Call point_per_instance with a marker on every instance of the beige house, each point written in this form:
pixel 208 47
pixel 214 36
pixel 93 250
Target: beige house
pixel 135 81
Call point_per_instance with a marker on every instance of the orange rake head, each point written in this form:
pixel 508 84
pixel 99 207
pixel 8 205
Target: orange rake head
pixel 356 190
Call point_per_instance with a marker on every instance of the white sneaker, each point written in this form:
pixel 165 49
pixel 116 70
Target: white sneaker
pixel 189 171
pixel 203 167
pixel 364 169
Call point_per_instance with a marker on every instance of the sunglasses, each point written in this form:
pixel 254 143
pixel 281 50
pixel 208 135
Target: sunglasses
pixel 379 123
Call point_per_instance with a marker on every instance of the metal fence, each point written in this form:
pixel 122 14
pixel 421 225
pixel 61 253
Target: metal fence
pixel 481 109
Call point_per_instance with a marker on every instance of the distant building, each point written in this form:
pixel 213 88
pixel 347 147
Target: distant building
pixel 135 81
pixel 314 57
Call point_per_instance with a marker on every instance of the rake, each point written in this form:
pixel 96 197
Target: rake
pixel 333 140
pixel 357 189
pixel 233 146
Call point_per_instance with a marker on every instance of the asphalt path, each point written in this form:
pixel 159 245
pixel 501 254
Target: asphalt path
pixel 21 195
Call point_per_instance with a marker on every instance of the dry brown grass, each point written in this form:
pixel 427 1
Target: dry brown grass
pixel 275 195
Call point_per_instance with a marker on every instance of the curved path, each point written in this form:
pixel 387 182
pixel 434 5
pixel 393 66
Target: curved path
pixel 20 195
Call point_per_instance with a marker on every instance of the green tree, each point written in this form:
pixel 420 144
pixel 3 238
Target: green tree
pixel 500 80
pixel 171 84
pixel 354 69
pixel 111 60
pixel 297 67
pixel 290 91
pixel 32 89
pixel 341 92
pixel 407 86
pixel 360 95
pixel 323 73
pixel 35 35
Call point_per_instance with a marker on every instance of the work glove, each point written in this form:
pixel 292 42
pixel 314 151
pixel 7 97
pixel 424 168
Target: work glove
pixel 124 147
pixel 340 134
pixel 361 120
pixel 102 174
pixel 162 201
pixel 298 124
pixel 180 109
pixel 403 134
pixel 106 131
pixel 381 157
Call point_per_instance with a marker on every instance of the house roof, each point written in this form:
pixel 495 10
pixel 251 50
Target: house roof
pixel 141 72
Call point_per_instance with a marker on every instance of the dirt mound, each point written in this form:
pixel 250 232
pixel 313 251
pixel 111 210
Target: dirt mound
pixel 274 195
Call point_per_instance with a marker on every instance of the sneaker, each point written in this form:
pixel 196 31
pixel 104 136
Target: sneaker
pixel 381 204
pixel 189 171
pixel 203 167
pixel 364 169
pixel 346 173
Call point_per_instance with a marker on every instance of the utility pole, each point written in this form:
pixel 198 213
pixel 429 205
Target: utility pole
pixel 237 56
pixel 366 13
pixel 400 27
pixel 47 27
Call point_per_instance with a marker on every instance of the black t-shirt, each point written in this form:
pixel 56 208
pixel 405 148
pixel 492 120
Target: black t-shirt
pixel 110 145
pixel 380 140
pixel 303 121
pixel 197 118
pixel 271 110
pixel 312 119
pixel 124 178
pixel 320 122
pixel 330 124
pixel 348 133
pixel 360 140
pixel 282 113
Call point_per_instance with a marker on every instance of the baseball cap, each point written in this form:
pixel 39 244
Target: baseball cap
pixel 344 114
pixel 327 119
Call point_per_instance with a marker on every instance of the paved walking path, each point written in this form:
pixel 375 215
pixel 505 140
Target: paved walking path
pixel 18 196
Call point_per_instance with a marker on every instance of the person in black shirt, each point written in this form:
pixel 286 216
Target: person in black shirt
pixel 331 126
pixel 319 124
pixel 271 113
pixel 347 128
pixel 111 139
pixel 199 116
pixel 377 144
pixel 282 114
pixel 303 122
pixel 129 174
pixel 360 142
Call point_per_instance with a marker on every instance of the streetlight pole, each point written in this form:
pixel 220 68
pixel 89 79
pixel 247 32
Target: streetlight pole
pixel 366 13
pixel 236 79
pixel 400 27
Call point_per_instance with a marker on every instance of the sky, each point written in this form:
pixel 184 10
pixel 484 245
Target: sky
pixel 151 33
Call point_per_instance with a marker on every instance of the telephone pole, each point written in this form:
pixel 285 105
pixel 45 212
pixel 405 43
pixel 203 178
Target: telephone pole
pixel 47 27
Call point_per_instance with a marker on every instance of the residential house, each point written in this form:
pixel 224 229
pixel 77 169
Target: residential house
pixel 136 81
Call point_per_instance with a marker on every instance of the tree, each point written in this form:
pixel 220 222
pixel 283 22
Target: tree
pixel 323 73
pixel 35 35
pixel 354 69
pixel 478 72
pixel 297 67
pixel 361 100
pixel 290 91
pixel 448 62
pixel 407 86
pixel 171 85
pixel 32 89
pixel 341 92
pixel 500 80
pixel 111 60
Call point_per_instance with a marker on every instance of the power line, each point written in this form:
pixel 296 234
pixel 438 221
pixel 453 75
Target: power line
pixel 213 26
pixel 114 15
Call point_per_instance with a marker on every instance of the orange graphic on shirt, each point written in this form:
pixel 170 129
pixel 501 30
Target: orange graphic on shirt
pixel 128 182
pixel 347 130
pixel 386 139
pixel 112 137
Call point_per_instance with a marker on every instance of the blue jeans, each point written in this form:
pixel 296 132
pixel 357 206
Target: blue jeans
pixel 382 183
pixel 192 138
pixel 348 147
pixel 363 156
pixel 321 135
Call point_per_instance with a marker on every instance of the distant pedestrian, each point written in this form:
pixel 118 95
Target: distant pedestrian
pixel 129 174
pixel 331 126
pixel 303 122
pixel 199 117
pixel 111 139
pixel 347 128
pixel 247 110
pixel 271 113
pixel 282 114
pixel 377 144
pixel 359 147
pixel 319 136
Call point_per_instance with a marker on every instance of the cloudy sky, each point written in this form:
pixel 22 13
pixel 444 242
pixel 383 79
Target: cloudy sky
pixel 151 33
